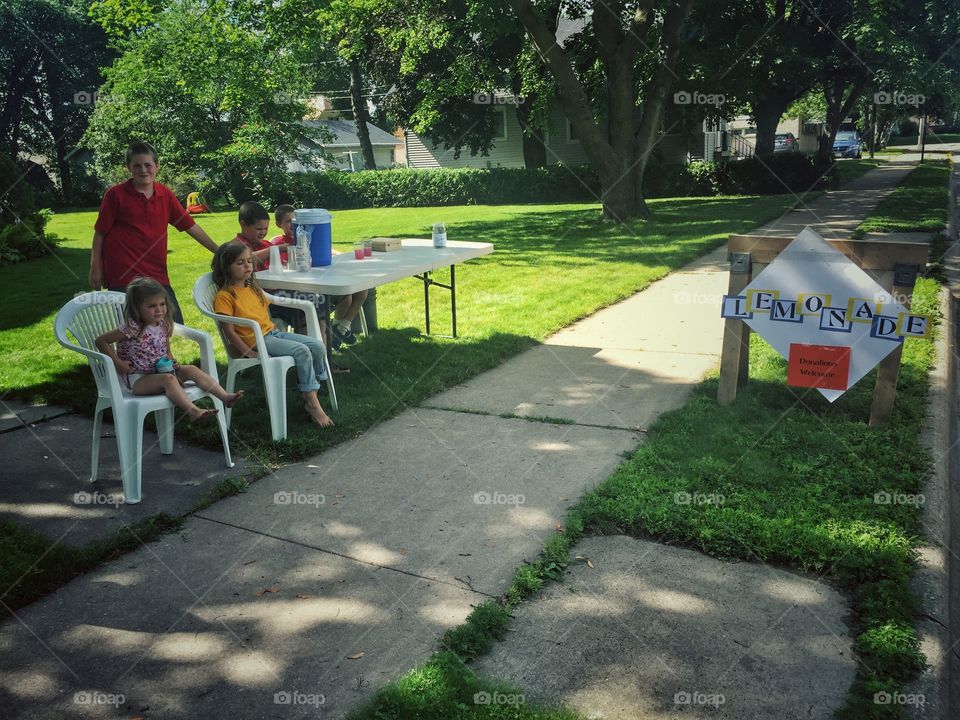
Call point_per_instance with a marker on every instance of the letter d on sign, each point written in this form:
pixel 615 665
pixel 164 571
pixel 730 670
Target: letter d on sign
pixel 884 327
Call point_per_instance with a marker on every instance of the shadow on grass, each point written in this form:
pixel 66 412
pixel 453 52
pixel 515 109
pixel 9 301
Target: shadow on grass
pixel 44 285
pixel 535 237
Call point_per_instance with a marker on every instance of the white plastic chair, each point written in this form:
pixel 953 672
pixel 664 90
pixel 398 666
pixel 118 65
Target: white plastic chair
pixel 274 368
pixel 77 326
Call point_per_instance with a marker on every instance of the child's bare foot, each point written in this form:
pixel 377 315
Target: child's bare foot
pixel 318 415
pixel 198 414
pixel 233 398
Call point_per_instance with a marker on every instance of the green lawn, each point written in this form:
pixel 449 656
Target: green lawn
pixel 552 265
pixel 798 477
pixel 918 205
pixel 847 170
pixel 932 139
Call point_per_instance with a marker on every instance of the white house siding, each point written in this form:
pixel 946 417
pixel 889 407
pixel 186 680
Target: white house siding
pixel 559 149
pixel 506 152
pixel 385 157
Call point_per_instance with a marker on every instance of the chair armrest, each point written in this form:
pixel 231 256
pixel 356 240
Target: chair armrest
pixel 234 320
pixel 309 310
pixel 109 369
pixel 201 338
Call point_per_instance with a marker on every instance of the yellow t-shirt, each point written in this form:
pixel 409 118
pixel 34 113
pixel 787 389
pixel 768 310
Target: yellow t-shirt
pixel 244 302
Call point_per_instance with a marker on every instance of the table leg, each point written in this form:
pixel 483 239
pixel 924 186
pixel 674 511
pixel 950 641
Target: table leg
pixel 426 298
pixel 453 297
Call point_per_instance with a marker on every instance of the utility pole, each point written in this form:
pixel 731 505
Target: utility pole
pixel 923 134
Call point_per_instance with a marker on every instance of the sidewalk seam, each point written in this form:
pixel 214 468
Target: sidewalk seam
pixel 345 557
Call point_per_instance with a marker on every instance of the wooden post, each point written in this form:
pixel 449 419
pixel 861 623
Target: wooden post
pixel 877 257
pixel 885 389
pixel 735 355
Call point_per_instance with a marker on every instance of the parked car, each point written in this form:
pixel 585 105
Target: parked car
pixel 847 144
pixel 786 142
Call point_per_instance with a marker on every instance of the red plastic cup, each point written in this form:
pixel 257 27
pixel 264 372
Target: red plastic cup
pixel 367 248
pixel 358 250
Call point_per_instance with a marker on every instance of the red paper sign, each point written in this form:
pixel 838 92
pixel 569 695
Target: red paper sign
pixel 819 366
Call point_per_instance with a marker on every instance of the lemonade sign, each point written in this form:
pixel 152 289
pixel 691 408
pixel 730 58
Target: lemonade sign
pixel 825 315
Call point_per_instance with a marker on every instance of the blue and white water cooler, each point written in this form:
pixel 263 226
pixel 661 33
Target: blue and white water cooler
pixel 316 222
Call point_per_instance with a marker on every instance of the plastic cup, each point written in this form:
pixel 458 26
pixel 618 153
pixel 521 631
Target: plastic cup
pixel 358 250
pixel 367 248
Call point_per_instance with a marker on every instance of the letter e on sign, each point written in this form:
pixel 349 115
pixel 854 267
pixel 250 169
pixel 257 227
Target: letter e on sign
pixel 916 326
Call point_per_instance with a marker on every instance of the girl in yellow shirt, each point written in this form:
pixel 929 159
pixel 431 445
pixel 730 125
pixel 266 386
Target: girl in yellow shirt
pixel 239 295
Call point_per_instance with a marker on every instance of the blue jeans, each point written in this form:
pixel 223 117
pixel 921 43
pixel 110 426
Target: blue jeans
pixel 307 354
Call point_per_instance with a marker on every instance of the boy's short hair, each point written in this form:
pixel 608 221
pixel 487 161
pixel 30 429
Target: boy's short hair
pixel 252 212
pixel 138 147
pixel 282 211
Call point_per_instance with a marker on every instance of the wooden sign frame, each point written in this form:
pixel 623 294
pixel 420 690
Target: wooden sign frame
pixel 750 254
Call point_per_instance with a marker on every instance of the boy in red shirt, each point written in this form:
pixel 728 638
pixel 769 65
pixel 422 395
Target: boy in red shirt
pixel 130 235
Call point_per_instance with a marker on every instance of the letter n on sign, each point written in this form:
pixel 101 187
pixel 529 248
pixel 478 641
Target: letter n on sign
pixel 819 366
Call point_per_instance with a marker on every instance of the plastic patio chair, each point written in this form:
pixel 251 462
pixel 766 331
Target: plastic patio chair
pixel 274 368
pixel 77 326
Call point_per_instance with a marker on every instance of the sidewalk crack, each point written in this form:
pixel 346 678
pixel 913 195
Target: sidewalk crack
pixel 346 557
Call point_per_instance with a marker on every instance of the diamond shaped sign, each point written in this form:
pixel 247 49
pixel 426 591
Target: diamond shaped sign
pixel 829 319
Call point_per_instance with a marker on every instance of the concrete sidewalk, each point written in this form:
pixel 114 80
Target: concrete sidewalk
pixel 327 579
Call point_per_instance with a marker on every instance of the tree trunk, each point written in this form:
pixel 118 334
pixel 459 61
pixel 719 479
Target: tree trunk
pixel 839 104
pixel 534 149
pixel 361 116
pixel 768 112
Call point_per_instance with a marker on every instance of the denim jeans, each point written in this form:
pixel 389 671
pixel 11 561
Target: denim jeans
pixel 306 352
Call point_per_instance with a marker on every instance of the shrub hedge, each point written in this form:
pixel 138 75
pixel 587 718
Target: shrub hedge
pixel 22 226
pixel 479 186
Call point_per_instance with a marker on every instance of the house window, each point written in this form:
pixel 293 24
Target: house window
pixel 500 124
pixel 571 133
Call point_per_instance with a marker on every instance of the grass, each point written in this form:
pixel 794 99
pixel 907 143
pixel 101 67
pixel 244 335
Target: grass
pixel 847 170
pixel 918 205
pixel 33 566
pixel 932 139
pixel 797 493
pixel 798 476
pixel 553 265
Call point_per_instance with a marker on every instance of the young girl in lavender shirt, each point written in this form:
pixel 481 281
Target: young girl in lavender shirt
pixel 143 339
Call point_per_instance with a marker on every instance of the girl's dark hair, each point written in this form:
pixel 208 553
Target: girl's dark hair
pixel 139 291
pixel 138 147
pixel 225 256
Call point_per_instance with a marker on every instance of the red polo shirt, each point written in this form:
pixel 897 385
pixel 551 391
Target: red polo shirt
pixel 135 232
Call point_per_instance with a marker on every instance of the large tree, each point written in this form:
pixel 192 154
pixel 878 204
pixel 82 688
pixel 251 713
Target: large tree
pixel 47 87
pixel 218 98
pixel 636 47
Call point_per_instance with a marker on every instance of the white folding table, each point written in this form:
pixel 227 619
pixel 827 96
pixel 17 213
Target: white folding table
pixel 416 258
